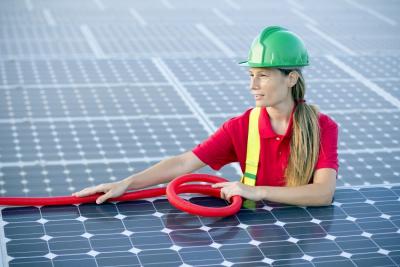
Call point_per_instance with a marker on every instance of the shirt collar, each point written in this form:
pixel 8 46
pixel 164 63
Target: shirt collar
pixel 265 126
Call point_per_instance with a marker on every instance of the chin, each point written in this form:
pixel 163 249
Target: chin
pixel 258 104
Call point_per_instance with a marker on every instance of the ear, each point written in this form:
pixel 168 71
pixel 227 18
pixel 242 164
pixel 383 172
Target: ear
pixel 293 77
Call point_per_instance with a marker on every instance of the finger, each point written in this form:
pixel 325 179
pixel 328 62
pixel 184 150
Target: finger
pixel 90 191
pixel 104 197
pixel 225 193
pixel 222 195
pixel 228 197
pixel 79 193
pixel 219 184
pixel 85 192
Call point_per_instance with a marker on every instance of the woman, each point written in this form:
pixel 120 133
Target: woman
pixel 288 154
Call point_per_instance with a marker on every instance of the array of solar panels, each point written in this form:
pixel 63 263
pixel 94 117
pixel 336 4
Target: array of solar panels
pixel 92 92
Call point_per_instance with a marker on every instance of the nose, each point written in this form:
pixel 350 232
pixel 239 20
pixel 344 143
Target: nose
pixel 254 83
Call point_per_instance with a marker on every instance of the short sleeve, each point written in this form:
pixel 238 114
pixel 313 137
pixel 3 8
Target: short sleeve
pixel 328 155
pixel 218 149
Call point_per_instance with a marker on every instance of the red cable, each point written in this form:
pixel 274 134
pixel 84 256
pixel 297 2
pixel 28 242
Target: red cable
pixel 172 190
pixel 175 187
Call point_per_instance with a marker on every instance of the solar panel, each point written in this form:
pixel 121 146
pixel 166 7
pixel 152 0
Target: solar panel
pixel 94 92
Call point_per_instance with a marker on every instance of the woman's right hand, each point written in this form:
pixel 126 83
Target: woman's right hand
pixel 110 190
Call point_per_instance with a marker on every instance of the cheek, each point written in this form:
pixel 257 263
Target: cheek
pixel 271 87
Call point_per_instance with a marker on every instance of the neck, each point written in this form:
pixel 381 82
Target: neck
pixel 281 112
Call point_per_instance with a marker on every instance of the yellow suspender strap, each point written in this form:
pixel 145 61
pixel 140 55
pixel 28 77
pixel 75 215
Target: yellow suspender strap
pixel 253 149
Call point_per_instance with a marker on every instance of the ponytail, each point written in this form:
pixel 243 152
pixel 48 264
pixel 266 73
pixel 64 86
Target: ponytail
pixel 305 141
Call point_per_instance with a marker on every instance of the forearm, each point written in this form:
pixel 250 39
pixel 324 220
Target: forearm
pixel 162 172
pixel 305 195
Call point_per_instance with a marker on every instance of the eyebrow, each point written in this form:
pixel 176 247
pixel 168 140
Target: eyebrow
pixel 261 71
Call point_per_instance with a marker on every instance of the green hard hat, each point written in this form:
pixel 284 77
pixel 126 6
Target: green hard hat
pixel 277 47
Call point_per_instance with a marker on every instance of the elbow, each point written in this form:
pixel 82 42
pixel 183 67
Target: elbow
pixel 322 198
pixel 323 195
pixel 325 199
pixel 326 202
pixel 321 202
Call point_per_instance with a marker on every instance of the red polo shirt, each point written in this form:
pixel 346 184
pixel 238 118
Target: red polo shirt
pixel 229 144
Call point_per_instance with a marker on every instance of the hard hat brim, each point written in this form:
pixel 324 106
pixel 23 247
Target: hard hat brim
pixel 247 64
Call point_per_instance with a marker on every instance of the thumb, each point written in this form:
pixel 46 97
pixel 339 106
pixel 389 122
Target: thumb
pixel 217 185
pixel 103 198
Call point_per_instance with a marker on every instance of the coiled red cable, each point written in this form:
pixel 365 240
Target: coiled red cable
pixel 172 190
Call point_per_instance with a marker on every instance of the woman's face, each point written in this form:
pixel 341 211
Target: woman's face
pixel 270 87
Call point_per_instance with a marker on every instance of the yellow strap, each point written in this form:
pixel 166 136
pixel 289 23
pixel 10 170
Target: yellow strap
pixel 253 149
pixel 252 154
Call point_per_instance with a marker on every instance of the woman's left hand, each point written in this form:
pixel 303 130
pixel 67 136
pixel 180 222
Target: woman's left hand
pixel 229 189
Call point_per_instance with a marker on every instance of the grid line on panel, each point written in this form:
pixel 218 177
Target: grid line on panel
pixel 82 85
pixel 355 111
pixel 126 229
pixel 296 4
pixel 155 84
pixel 372 12
pixel 188 246
pixel 84 227
pixel 80 71
pixel 80 161
pixel 368 150
pixel 331 40
pixel 152 203
pixel 211 238
pixel 100 5
pixel 92 118
pixel 194 106
pixel 114 103
pixel 285 229
pixel 29 5
pixel 3 248
pixel 279 207
pixel 139 18
pixel 215 40
pixel 389 186
pixel 48 16
pixel 192 103
pixel 223 226
pixel 167 4
pixel 222 16
pixel 233 4
pixel 364 80
pixel 303 16
pixel 342 111
pixel 44 232
pixel 92 42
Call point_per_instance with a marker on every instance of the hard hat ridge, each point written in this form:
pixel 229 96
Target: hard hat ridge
pixel 276 46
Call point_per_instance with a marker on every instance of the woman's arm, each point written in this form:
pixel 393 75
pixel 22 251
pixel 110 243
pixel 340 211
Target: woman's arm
pixel 319 193
pixel 164 171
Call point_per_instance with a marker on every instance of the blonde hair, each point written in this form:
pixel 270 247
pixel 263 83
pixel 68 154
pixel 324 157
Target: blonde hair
pixel 305 141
